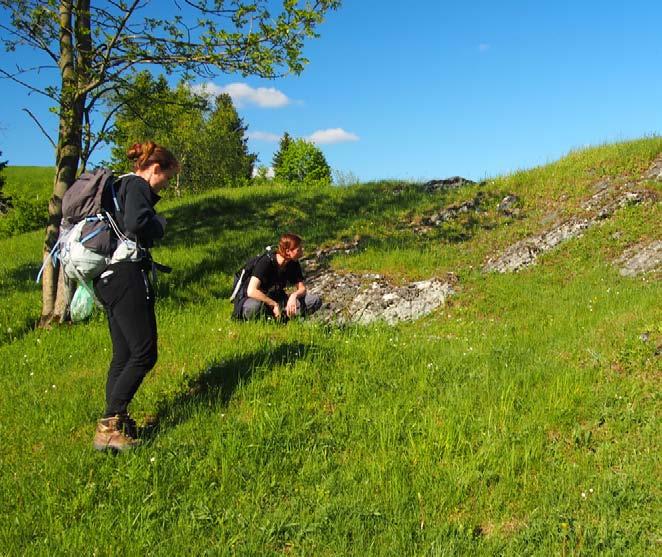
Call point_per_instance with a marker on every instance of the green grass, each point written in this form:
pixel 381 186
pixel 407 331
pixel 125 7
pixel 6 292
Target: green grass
pixel 521 419
pixel 29 181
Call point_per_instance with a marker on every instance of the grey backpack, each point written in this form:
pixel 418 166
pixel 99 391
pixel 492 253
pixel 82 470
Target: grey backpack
pixel 88 232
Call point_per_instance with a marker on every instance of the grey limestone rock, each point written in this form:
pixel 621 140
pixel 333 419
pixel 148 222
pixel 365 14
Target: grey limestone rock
pixel 354 298
pixel 447 183
pixel 641 259
pixel 655 170
pixel 599 206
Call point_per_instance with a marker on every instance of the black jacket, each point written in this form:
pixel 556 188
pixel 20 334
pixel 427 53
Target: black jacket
pixel 137 218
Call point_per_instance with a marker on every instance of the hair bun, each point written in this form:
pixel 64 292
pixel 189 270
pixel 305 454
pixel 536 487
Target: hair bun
pixel 135 151
pixel 145 154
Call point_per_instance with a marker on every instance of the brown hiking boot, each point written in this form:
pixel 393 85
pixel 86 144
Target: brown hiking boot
pixel 110 436
pixel 127 425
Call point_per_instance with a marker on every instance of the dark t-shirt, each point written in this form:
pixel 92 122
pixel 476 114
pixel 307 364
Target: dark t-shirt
pixel 274 278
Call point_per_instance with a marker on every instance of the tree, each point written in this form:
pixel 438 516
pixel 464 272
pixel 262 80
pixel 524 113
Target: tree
pixel 5 202
pixel 151 109
pixel 303 162
pixel 95 46
pixel 223 157
pixel 207 137
pixel 277 160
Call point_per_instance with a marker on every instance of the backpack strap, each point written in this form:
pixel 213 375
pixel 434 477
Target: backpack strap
pixel 53 255
pixel 116 202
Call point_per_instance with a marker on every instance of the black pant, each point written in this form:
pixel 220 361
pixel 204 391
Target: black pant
pixel 127 295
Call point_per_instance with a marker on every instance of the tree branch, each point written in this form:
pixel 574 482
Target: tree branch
pixel 104 127
pixel 101 73
pixel 40 126
pixel 27 85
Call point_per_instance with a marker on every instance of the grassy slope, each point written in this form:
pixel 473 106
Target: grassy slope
pixel 29 180
pixel 476 430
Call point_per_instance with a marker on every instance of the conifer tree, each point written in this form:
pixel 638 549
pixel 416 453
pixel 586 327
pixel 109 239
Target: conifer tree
pixel 277 161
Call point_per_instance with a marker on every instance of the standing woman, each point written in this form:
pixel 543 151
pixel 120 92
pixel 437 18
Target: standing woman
pixel 126 292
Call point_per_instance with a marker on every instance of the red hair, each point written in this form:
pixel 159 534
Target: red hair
pixel 146 154
pixel 288 241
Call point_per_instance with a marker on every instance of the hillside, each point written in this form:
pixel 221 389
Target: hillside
pixel 521 416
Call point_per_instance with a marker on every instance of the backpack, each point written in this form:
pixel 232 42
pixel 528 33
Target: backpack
pixel 241 279
pixel 88 232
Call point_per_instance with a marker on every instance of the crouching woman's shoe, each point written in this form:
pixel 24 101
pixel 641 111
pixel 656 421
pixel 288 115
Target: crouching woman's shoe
pixel 109 436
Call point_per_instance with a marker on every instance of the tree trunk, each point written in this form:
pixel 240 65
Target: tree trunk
pixel 67 156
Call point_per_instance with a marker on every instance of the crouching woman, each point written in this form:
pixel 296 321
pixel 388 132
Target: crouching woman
pixel 127 295
pixel 273 273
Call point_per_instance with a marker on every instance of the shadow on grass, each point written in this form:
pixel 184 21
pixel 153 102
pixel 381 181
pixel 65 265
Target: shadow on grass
pixel 18 332
pixel 21 279
pixel 229 231
pixel 215 385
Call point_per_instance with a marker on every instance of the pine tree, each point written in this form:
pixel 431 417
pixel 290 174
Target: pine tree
pixel 277 161
pixel 224 159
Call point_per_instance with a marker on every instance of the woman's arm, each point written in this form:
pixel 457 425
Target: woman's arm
pixel 253 291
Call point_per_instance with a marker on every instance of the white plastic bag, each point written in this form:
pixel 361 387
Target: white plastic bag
pixel 82 303
pixel 127 250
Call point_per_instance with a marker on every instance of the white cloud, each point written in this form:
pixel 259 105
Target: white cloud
pixel 243 94
pixel 333 135
pixel 263 136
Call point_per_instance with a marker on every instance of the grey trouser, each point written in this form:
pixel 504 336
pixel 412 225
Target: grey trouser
pixel 252 308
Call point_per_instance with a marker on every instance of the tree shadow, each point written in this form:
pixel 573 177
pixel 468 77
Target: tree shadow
pixel 201 219
pixel 21 279
pixel 316 215
pixel 229 231
pixel 216 384
pixel 18 332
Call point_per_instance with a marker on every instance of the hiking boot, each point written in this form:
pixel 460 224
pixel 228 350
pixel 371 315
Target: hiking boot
pixel 110 436
pixel 128 425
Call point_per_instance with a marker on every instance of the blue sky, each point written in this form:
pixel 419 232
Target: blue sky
pixel 434 88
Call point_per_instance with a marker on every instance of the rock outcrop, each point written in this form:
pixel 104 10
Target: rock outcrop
pixel 423 224
pixel 525 252
pixel 447 184
pixel 601 205
pixel 655 170
pixel 641 259
pixel 354 298
pixel 509 206
pixel 366 298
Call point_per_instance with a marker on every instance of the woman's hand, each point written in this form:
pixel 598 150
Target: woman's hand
pixel 291 308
